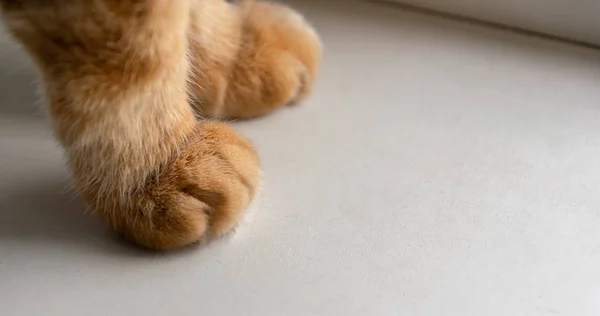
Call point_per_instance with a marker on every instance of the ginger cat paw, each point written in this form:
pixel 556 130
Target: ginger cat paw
pixel 117 92
pixel 269 59
pixel 201 194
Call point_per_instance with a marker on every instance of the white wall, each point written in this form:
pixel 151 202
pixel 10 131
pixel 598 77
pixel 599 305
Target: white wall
pixel 573 19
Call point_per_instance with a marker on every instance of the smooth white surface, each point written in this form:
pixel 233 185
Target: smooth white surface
pixel 571 19
pixel 438 169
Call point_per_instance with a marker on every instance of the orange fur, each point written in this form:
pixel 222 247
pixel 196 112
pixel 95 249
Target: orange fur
pixel 116 75
pixel 254 58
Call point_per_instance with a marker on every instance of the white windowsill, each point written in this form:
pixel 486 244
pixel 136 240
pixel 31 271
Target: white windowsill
pixel 570 19
pixel 439 168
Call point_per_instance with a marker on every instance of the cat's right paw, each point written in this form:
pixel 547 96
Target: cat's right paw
pixel 201 194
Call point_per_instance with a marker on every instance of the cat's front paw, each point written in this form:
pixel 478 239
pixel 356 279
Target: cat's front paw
pixel 201 194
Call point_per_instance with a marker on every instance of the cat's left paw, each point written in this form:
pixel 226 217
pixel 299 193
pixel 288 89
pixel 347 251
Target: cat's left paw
pixel 277 63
